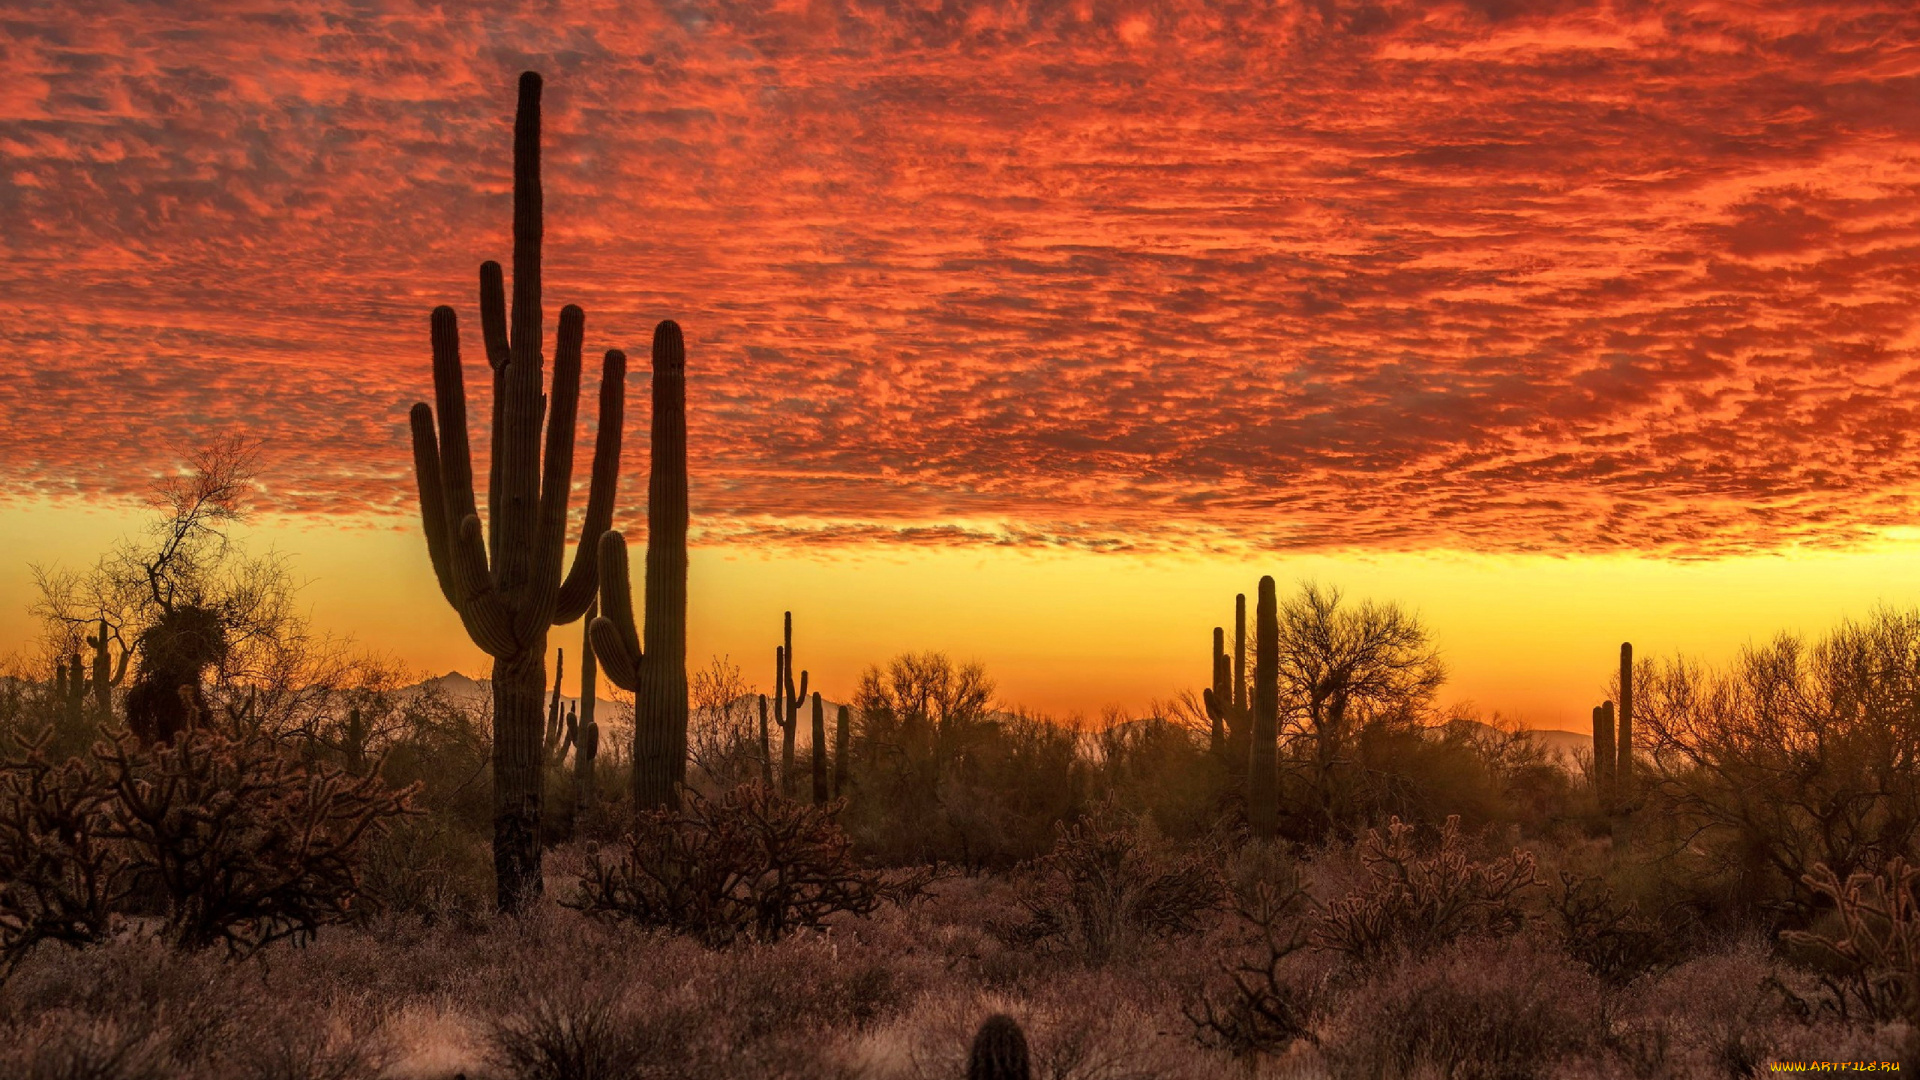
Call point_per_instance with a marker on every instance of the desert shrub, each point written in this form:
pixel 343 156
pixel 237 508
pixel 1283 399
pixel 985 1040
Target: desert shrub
pixel 63 1045
pixel 748 863
pixel 1797 754
pixel 1870 965
pixel 61 877
pixel 1410 902
pixel 1610 936
pixel 1110 882
pixel 1479 1011
pixel 1274 994
pixel 937 776
pixel 426 867
pixel 582 1031
pixel 1160 769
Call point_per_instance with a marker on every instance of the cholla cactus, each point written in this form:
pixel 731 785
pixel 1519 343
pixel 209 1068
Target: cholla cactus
pixel 1411 902
pixel 999 1051
pixel 1873 962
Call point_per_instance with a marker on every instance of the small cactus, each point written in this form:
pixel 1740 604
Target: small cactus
pixel 999 1051
pixel 1603 754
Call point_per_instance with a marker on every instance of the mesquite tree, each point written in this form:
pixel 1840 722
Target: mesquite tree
pixel 507 586
pixel 656 674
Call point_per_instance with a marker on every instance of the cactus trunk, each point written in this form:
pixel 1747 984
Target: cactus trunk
pixel 1262 784
pixel 1623 772
pixel 660 704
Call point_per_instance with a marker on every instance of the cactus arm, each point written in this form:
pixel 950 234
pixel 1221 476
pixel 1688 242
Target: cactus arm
pixel 556 481
pixel 433 505
pixel 578 591
pixel 481 610
pixel 802 696
pixel 450 405
pixel 615 639
pixel 493 330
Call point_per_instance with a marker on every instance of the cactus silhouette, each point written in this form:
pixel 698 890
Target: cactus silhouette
pixel 786 703
pixel 508 586
pixel 999 1051
pixel 819 751
pixel 1603 754
pixel 842 742
pixel 1623 772
pixel 651 660
pixel 1262 791
pixel 586 735
pixel 107 674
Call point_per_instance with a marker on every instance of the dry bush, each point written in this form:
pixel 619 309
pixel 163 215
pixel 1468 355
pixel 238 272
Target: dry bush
pixel 61 878
pixel 1275 992
pixel 747 864
pixel 1610 936
pixel 1870 966
pixel 581 1030
pixel 1411 902
pixel 1479 1011
pixel 1111 882
pixel 1798 753
pixel 425 868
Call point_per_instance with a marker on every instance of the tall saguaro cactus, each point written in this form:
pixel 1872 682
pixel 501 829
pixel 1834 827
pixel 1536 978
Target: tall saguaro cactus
pixel 1603 754
pixel 1263 810
pixel 1623 773
pixel 819 750
pixel 842 740
pixel 655 669
pixel 786 704
pixel 507 585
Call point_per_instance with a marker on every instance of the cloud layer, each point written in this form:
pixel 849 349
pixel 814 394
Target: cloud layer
pixel 1493 275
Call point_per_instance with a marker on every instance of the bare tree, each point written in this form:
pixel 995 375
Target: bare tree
pixel 723 742
pixel 1341 668
pixel 1796 754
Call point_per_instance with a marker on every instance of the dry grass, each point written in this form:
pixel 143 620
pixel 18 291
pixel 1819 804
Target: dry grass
pixel 897 994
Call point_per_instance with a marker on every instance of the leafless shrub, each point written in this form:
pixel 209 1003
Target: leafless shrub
pixel 1109 882
pixel 1480 1011
pixel 1411 902
pixel 1272 999
pixel 1610 936
pixel 748 863
pixel 1870 966
pixel 581 1031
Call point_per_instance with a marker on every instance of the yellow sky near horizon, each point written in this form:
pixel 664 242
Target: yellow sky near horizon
pixel 1068 631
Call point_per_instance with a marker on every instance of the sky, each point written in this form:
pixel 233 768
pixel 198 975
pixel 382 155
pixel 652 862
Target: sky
pixel 1027 331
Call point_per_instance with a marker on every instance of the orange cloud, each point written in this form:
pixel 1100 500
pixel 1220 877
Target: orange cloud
pixel 1500 276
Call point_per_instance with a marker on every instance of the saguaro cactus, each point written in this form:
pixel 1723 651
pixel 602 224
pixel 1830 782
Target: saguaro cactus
pixel 819 751
pixel 766 744
pixel 1263 810
pixel 586 736
pixel 1603 754
pixel 657 674
pixel 1623 773
pixel 508 586
pixel 106 673
pixel 1218 698
pixel 786 703
pixel 842 742
pixel 561 730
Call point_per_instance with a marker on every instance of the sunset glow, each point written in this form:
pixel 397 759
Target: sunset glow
pixel 1027 331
